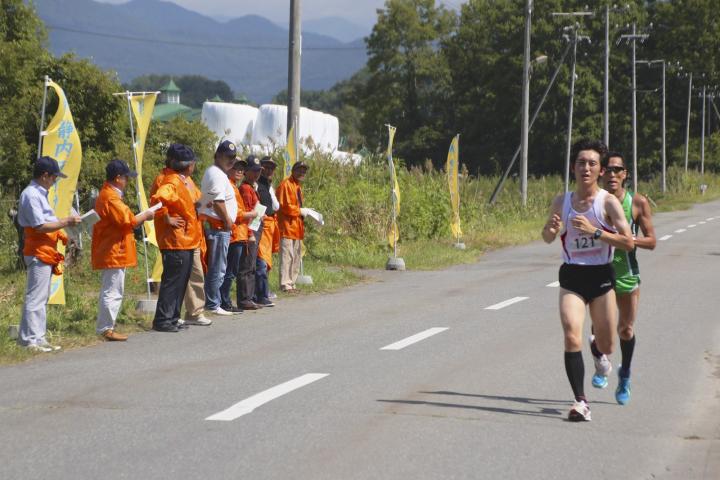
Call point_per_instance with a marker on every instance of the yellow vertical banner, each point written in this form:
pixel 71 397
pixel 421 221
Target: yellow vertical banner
pixel 393 232
pixel 142 106
pixel 290 153
pixel 452 169
pixel 61 142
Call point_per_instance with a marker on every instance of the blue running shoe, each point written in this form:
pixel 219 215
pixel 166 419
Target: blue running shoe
pixel 622 392
pixel 599 381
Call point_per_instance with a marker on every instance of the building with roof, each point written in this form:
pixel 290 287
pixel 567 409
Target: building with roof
pixel 169 106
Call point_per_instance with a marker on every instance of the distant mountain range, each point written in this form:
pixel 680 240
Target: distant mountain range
pixel 151 36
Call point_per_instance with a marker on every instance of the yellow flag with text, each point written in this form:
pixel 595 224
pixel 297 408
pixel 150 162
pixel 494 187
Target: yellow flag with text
pixel 290 153
pixel 142 109
pixel 452 169
pixel 393 232
pixel 61 142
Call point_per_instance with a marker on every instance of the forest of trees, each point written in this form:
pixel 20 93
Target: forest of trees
pixel 433 73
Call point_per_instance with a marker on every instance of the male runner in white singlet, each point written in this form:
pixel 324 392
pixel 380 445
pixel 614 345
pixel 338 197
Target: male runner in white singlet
pixel 591 224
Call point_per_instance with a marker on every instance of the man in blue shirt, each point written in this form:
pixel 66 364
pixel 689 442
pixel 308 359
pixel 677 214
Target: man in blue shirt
pixel 42 229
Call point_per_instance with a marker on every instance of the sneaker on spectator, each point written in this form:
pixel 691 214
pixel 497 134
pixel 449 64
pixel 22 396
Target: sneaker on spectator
pixel 201 320
pixel 35 348
pixel 53 348
pixel 220 311
pixel 265 302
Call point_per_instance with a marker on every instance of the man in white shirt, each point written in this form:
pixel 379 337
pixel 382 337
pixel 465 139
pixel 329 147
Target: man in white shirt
pixel 218 210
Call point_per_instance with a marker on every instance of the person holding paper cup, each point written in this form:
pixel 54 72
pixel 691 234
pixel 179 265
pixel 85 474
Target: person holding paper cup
pixel 113 245
pixel 248 259
pixel 292 226
pixel 42 231
pixel 178 239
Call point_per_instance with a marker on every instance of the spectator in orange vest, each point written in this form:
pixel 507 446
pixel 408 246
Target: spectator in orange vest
pixel 113 245
pixel 194 300
pixel 292 226
pixel 177 239
pixel 42 231
pixel 246 275
pixel 238 241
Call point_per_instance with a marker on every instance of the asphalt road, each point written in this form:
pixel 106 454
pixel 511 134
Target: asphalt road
pixel 320 388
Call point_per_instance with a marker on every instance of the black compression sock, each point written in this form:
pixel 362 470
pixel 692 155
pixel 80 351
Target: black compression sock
pixel 627 347
pixel 575 369
pixel 594 349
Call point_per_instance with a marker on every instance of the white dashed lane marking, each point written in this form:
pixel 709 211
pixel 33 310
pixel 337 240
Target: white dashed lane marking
pixel 414 339
pixel 681 230
pixel 662 239
pixel 506 303
pixel 692 226
pixel 249 404
pixel 553 285
pixel 702 223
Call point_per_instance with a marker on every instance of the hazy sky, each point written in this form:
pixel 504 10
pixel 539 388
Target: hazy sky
pixel 361 12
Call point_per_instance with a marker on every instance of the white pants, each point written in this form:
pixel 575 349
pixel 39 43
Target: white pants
pixel 111 295
pixel 33 325
pixel 290 258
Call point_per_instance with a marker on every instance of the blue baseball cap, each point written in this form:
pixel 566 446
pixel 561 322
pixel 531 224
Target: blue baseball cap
pixel 227 148
pixel 253 163
pixel 47 165
pixel 180 153
pixel 118 167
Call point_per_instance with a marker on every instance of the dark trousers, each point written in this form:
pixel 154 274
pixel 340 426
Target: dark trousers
pixel 246 277
pixel 177 266
pixel 231 272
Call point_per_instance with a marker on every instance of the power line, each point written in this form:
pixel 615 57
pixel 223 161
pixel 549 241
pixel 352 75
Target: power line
pixel 190 44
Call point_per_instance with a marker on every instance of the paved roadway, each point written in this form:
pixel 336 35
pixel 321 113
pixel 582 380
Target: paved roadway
pixel 322 389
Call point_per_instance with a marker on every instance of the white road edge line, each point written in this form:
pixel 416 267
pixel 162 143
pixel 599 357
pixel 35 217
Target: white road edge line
pixel 692 226
pixel 681 230
pixel 251 403
pixel 506 303
pixel 553 284
pixel 414 339
pixel 662 239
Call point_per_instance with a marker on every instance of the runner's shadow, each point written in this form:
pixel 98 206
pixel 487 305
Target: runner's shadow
pixel 553 413
pixel 530 401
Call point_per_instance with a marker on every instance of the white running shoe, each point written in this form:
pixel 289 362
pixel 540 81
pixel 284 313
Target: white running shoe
pixel 580 412
pixel 220 311
pixel 33 347
pixel 201 320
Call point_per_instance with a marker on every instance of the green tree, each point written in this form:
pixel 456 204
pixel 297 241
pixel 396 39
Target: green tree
pixel 409 79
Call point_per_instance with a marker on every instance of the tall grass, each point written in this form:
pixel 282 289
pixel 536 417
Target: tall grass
pixel 355 201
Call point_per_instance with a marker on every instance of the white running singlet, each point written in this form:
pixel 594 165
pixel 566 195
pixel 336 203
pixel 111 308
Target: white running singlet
pixel 581 248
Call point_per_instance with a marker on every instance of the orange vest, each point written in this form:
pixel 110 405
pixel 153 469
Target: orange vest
pixel 180 202
pixel 290 197
pixel 240 228
pixel 113 242
pixel 43 246
pixel 267 240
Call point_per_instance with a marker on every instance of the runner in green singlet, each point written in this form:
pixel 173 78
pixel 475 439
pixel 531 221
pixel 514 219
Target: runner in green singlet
pixel 627 288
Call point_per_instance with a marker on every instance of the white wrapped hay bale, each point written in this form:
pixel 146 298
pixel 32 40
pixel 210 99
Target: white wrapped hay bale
pixel 315 129
pixel 230 121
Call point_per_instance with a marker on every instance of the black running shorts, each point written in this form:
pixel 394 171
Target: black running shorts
pixel 588 281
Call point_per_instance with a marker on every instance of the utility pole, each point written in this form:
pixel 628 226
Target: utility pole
pixel 702 135
pixel 687 126
pixel 294 56
pixel 633 38
pixel 574 38
pixel 650 63
pixel 606 99
pixel 524 129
